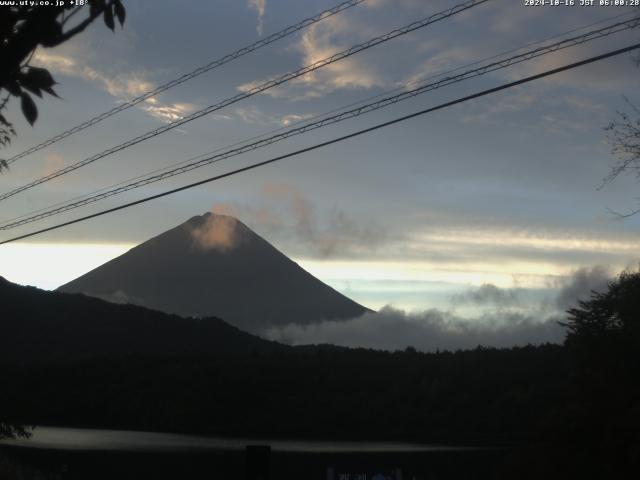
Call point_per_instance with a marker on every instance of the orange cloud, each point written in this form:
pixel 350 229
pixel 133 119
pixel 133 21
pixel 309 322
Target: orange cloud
pixel 52 163
pixel 217 233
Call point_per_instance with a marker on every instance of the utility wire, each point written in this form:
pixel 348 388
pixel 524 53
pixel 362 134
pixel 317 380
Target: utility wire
pixel 356 112
pixel 336 140
pixel 321 115
pixel 228 58
pixel 258 89
pixel 194 73
pixel 317 116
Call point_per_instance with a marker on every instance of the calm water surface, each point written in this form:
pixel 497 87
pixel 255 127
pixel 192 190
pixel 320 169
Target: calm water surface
pixel 94 439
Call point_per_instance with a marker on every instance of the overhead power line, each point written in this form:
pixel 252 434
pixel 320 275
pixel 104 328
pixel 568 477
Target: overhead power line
pixel 256 90
pixel 404 118
pixel 194 73
pixel 321 115
pixel 329 120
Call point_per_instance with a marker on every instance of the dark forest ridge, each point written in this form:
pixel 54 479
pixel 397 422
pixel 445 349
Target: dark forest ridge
pixel 38 325
pixel 214 265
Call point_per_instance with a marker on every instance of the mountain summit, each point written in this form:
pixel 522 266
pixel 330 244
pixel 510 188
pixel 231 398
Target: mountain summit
pixel 214 265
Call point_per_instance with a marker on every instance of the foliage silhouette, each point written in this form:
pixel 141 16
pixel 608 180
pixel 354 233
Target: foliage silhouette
pixel 609 319
pixel 603 344
pixel 24 28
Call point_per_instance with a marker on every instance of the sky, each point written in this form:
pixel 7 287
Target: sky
pixel 437 214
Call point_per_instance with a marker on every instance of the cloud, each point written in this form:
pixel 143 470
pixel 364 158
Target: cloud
pixel 217 233
pixel 123 86
pixel 510 21
pixel 559 294
pixel 286 212
pixel 287 120
pixel 515 101
pixel 318 42
pixel 259 7
pixel 580 284
pixel 453 247
pixel 517 246
pixel 563 114
pixel 56 63
pixel 438 63
pixel 394 329
pixel 493 324
pixel 613 75
pixel 449 248
pixel 339 231
pixel 167 113
pixel 489 294
pixel 52 163
pixel 253 115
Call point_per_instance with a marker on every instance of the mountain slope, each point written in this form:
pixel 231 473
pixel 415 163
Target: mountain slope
pixel 37 325
pixel 214 265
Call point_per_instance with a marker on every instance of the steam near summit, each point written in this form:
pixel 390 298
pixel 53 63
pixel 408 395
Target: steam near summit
pixel 217 233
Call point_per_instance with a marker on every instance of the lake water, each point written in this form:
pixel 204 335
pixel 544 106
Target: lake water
pixel 58 438
pixel 80 454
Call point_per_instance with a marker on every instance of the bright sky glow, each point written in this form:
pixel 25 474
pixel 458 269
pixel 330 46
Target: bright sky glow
pixel 48 266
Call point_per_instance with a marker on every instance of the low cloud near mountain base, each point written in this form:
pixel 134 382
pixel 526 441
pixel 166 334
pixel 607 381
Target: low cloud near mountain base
pixel 496 324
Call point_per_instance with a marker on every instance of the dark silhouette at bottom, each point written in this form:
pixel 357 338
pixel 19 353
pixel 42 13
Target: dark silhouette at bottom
pixel 258 462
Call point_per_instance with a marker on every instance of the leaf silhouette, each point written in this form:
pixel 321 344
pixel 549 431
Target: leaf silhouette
pixel 108 19
pixel 120 11
pixel 36 79
pixel 41 76
pixel 29 108
pixel 51 91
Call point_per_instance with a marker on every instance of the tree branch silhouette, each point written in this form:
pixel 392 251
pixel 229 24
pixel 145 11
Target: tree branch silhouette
pixel 23 29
